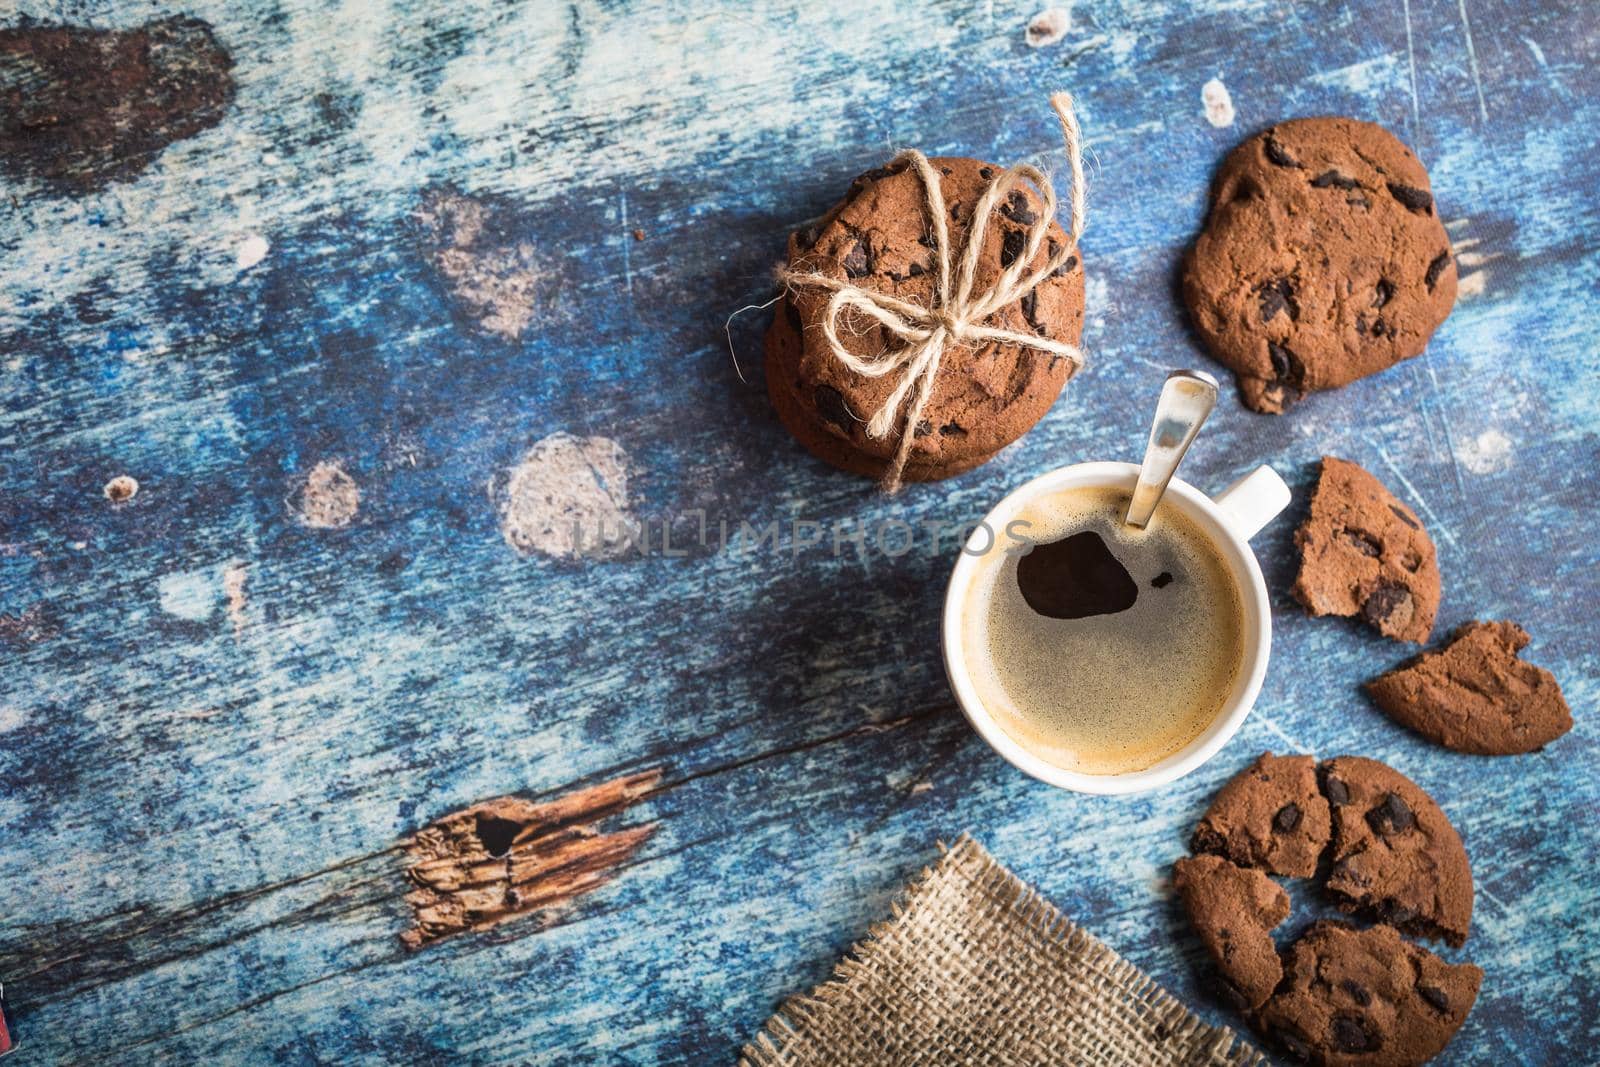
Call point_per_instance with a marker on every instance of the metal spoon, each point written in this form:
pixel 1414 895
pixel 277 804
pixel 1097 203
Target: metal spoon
pixel 1187 397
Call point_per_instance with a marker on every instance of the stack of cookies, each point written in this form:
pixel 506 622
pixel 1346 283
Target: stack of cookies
pixel 986 395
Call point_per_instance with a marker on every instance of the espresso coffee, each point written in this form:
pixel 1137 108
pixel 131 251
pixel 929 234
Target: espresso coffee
pixel 1100 648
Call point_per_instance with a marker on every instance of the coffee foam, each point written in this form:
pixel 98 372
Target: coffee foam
pixel 1113 693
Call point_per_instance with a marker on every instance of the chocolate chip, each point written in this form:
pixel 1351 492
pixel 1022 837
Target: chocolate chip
pixel 1412 199
pixel 924 428
pixel 1392 816
pixel 1403 517
pixel 1435 997
pixel 1379 328
pixel 986 173
pixel 1068 265
pixel 1350 1034
pixel 1287 819
pixel 1357 991
pixel 1029 303
pixel 1293 1047
pixel 1436 268
pixel 1382 293
pixel 1016 209
pixel 1162 580
pixel 1337 792
pixel 791 315
pixel 1332 179
pixel 1277 297
pixel 927 241
pixel 916 270
pixel 1384 601
pixel 1364 543
pixel 858 262
pixel 1278 155
pixel 953 429
pixel 1288 372
pixel 1205 839
pixel 1395 913
pixel 831 406
pixel 1411 561
pixel 806 237
pixel 1011 247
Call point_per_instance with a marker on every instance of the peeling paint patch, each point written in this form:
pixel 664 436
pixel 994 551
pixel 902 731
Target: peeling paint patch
pixel 87 106
pixel 1047 27
pixel 494 277
pixel 328 499
pixel 568 498
pixel 1490 451
pixel 190 595
pixel 252 250
pixel 507 858
pixel 121 489
pixel 1218 103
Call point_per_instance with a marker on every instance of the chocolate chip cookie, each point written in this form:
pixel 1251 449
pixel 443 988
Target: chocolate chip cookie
pixel 1475 695
pixel 1364 553
pixel 986 395
pixel 1234 909
pixel 1323 260
pixel 1366 997
pixel 1270 815
pixel 1396 858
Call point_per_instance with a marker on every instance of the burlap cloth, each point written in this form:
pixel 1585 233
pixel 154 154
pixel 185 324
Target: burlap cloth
pixel 975 967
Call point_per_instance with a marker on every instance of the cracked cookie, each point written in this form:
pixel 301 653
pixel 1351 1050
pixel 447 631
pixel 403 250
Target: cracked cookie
pixel 1474 694
pixel 1234 910
pixel 1270 815
pixel 1323 260
pixel 986 395
pixel 1396 858
pixel 1364 553
pixel 1366 998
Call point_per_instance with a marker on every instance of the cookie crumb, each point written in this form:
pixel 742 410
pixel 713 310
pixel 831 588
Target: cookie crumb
pixel 1218 103
pixel 638 235
pixel 121 489
pixel 1047 27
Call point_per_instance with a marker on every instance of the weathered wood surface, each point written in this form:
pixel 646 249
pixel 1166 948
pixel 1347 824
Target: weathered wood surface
pixel 324 326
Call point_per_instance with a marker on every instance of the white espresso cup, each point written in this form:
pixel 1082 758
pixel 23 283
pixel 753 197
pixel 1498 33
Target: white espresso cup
pixel 1228 520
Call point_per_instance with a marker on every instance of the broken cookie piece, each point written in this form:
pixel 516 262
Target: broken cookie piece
pixel 1396 858
pixel 1474 694
pixel 1366 997
pixel 1234 911
pixel 1270 815
pixel 1364 554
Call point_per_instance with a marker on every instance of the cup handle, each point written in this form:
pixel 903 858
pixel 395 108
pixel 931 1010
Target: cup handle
pixel 1253 501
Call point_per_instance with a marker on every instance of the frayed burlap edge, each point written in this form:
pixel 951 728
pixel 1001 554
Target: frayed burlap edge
pixel 976 968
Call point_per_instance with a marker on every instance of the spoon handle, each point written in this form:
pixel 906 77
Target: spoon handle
pixel 1187 397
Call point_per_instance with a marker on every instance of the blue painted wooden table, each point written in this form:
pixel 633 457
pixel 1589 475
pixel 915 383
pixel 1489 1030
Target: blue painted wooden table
pixel 371 301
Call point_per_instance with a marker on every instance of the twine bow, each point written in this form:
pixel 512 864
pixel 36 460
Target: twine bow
pixel 956 315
